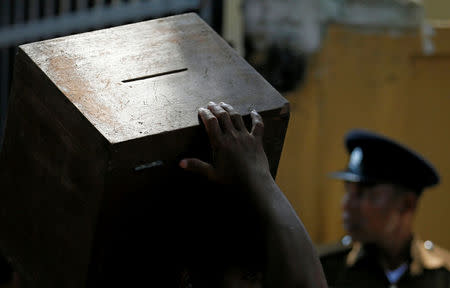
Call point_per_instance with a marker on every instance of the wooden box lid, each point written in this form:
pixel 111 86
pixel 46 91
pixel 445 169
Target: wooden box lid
pixel 150 77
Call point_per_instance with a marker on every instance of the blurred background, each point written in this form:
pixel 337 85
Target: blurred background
pixel 383 65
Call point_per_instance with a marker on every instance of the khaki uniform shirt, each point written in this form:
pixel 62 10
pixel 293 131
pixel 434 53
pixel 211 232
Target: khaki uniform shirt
pixel 354 265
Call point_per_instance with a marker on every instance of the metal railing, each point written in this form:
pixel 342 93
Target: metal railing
pixel 23 21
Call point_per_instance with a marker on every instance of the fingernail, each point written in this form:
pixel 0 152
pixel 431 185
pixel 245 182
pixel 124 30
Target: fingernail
pixel 212 103
pixel 183 164
pixel 201 109
pixel 254 111
pixel 222 103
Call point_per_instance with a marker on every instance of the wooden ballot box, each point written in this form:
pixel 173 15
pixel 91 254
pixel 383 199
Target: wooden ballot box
pixel 96 125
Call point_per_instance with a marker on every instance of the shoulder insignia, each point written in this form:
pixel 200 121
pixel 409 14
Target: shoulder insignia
pixel 427 255
pixel 339 247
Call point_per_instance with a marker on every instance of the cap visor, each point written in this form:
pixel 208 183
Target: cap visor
pixel 347 176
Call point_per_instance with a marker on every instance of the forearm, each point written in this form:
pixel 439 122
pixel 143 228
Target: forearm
pixel 291 257
pixel 240 160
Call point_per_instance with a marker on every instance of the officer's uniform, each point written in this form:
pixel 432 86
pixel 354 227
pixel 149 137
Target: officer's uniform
pixel 376 159
pixel 348 264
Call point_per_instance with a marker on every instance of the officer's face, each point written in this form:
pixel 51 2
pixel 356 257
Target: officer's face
pixel 370 212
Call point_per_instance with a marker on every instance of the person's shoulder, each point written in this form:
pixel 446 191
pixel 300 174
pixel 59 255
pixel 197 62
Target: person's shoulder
pixel 430 255
pixel 333 258
pixel 335 250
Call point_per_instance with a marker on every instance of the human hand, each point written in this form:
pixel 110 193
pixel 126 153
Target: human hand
pixel 239 156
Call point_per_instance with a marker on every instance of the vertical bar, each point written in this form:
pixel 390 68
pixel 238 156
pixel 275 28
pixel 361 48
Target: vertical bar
pixel 82 4
pixel 206 11
pixel 33 9
pixel 49 8
pixel 233 26
pixel 99 3
pixel 19 11
pixel 5 12
pixel 64 6
pixel 4 87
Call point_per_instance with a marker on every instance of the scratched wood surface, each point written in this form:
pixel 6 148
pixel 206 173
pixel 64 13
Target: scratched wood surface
pixel 97 123
pixel 150 77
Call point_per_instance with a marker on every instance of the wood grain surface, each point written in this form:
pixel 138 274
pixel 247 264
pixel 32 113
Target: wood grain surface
pixel 94 71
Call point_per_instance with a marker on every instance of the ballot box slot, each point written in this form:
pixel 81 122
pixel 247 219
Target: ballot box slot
pixel 155 75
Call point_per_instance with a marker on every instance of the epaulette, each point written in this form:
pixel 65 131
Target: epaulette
pixel 427 255
pixel 341 247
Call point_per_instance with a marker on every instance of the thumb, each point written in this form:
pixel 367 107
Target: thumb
pixel 198 166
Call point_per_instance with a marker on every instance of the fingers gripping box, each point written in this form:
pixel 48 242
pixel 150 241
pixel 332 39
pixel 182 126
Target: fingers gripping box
pixel 96 123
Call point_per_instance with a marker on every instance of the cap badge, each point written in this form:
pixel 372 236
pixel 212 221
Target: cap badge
pixel 355 159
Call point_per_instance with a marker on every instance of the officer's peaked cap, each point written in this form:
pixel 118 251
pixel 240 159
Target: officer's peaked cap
pixel 377 159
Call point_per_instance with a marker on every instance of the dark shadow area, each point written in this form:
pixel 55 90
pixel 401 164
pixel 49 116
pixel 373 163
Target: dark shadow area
pixel 283 68
pixel 190 225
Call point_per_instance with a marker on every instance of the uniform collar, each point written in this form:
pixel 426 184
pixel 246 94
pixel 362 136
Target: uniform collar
pixel 424 255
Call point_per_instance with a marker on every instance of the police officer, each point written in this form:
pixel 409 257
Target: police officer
pixel 383 183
